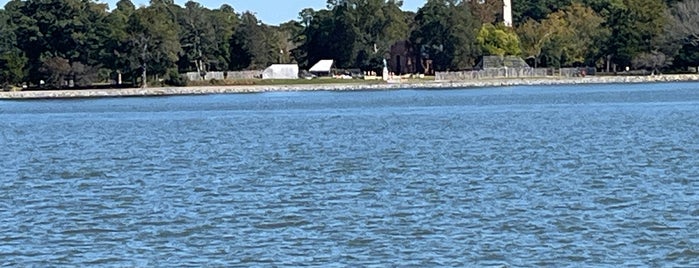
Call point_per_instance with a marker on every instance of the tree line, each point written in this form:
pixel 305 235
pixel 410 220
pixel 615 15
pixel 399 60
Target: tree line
pixel 84 42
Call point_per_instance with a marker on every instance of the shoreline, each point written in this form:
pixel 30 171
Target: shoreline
pixel 205 90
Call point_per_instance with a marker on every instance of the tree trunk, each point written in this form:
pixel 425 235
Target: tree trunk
pixel 144 83
pixel 144 76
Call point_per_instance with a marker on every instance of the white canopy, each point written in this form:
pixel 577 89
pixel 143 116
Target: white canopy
pixel 281 71
pixel 323 66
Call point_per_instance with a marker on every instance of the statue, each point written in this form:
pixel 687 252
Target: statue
pixel 385 70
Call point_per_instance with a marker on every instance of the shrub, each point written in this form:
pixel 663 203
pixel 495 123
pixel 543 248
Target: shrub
pixel 175 79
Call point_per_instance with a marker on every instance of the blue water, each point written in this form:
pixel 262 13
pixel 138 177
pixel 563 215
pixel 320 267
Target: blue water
pixel 603 175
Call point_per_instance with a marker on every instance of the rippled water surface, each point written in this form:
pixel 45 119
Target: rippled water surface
pixel 602 175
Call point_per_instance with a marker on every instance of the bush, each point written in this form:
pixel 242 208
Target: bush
pixel 175 79
pixel 216 82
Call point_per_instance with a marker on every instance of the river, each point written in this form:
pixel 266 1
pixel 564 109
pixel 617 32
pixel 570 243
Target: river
pixel 593 175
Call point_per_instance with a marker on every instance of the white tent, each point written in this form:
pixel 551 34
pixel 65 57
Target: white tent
pixel 281 71
pixel 323 66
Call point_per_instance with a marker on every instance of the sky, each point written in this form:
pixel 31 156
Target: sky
pixel 269 11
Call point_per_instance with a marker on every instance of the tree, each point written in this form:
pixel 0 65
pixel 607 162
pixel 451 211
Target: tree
pixel 56 69
pixel 153 39
pixel 684 21
pixel 224 22
pixel 117 55
pixel 355 33
pixel 487 11
pixel 577 35
pixel 344 36
pixel 534 36
pixel 197 37
pixel 498 40
pixel 688 55
pixel 74 30
pixel 288 34
pixel 652 61
pixel 537 10
pixel 587 33
pixel 637 26
pixel 12 60
pixel 445 33
pixel 253 45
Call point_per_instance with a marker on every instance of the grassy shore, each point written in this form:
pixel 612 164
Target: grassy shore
pixel 258 86
pixel 273 82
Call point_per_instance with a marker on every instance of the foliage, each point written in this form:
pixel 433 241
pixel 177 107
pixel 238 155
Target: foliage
pixel 573 35
pixel 498 40
pixel 153 39
pixel 252 46
pixel 684 21
pixel 652 61
pixel 687 56
pixel 69 42
pixel 534 36
pixel 12 60
pixel 637 27
pixel 587 33
pixel 537 10
pixel 70 29
pixel 12 67
pixel 445 33
pixel 57 70
pixel 487 11
pixel 174 78
pixel 355 33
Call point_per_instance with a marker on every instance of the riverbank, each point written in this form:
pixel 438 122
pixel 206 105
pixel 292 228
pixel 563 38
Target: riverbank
pixel 173 91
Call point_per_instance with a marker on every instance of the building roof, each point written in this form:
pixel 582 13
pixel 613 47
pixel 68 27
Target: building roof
pixel 281 71
pixel 500 62
pixel 322 66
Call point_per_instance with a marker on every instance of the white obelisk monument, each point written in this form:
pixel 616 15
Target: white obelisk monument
pixel 507 12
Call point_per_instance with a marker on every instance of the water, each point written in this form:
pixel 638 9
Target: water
pixel 602 175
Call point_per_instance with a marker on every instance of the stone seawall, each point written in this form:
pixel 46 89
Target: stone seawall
pixel 172 91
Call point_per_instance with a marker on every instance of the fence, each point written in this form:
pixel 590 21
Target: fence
pixel 195 76
pixel 491 73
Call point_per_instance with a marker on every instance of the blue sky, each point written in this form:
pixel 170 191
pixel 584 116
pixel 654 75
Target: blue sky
pixel 269 11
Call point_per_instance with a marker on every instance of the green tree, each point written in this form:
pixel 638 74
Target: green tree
pixel 534 36
pixel 327 34
pixel 153 39
pixel 498 40
pixel 74 30
pixel 224 22
pixel 587 33
pixel 118 52
pixel 355 33
pixel 637 26
pixel 573 35
pixel 12 60
pixel 344 36
pixel 487 11
pixel 197 37
pixel 688 55
pixel 253 45
pixel 537 10
pixel 445 33
pixel 288 34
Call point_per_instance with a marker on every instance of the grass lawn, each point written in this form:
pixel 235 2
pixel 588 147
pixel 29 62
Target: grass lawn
pixel 315 81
